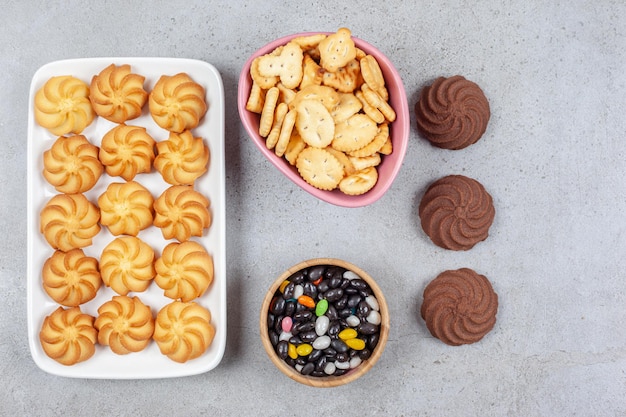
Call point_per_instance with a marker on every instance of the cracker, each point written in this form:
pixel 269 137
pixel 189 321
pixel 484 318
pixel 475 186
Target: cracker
pixel 294 147
pixel 267 114
pixel 312 73
pixel 314 123
pixel 286 94
pixel 360 182
pixel 345 79
pixel 256 99
pixel 354 133
pixel 287 65
pixel 371 111
pixel 319 168
pixel 348 105
pixel 264 81
pixel 272 138
pixel 361 163
pixel 387 148
pixel 375 100
pixel 379 140
pixel 337 50
pixel 372 74
pixel 285 133
pixel 348 166
pixel 326 95
pixel 307 42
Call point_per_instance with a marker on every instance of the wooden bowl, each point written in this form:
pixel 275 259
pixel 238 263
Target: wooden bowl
pixel 325 381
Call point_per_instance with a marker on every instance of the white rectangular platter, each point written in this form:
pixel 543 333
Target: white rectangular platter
pixel 149 363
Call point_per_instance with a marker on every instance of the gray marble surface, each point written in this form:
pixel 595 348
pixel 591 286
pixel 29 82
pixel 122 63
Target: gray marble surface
pixel 553 157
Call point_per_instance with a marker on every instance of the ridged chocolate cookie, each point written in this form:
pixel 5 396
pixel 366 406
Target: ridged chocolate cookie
pixel 456 212
pixel 459 307
pixel 452 113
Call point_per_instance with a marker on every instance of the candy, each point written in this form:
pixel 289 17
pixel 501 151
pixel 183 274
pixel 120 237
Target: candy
pixel 321 325
pixel 321 307
pixel 324 320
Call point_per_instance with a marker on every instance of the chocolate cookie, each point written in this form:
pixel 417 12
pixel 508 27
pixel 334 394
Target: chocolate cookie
pixel 456 212
pixel 459 307
pixel 452 113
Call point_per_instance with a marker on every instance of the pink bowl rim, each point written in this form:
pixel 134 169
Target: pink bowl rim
pixel 400 128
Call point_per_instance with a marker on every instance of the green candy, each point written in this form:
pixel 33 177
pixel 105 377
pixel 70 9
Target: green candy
pixel 321 307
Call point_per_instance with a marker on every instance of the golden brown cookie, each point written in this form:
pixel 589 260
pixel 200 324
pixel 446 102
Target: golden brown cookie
pixel 62 105
pixel 181 212
pixel 456 212
pixel 68 336
pixel 126 208
pixel 184 271
pixel 126 151
pixel 125 324
pixel 71 165
pixel 127 264
pixel 452 113
pixel 182 158
pixel 69 221
pixel 71 278
pixel 183 331
pixel 459 307
pixel 117 94
pixel 177 103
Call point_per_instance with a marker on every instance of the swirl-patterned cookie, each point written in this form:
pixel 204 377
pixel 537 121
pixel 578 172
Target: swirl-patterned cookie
pixel 117 94
pixel 177 103
pixel 69 221
pixel 127 264
pixel 126 208
pixel 452 113
pixel 62 105
pixel 68 336
pixel 71 278
pixel 183 331
pixel 71 165
pixel 459 307
pixel 126 151
pixel 184 271
pixel 181 212
pixel 456 212
pixel 182 158
pixel 124 324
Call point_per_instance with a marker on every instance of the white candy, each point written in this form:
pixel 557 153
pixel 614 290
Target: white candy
pixel 321 325
pixel 284 336
pixel 353 320
pixel 321 342
pixel 354 362
pixel 350 275
pixel 330 368
pixel 372 302
pixel 342 365
pixel 299 367
pixel 373 317
pixel 298 291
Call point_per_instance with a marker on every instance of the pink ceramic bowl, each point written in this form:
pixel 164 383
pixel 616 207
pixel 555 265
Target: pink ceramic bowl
pixel 399 129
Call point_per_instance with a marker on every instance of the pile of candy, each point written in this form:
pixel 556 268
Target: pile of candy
pixel 324 320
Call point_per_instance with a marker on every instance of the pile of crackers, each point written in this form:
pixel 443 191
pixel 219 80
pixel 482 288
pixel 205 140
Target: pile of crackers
pixel 324 107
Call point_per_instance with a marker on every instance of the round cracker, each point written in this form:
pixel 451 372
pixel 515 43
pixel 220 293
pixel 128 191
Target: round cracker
pixel 314 123
pixel 360 182
pixel 319 168
pixel 354 133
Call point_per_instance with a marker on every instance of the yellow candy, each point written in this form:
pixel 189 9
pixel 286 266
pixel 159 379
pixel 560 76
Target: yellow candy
pixel 304 349
pixel 347 333
pixel 292 352
pixel 356 344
